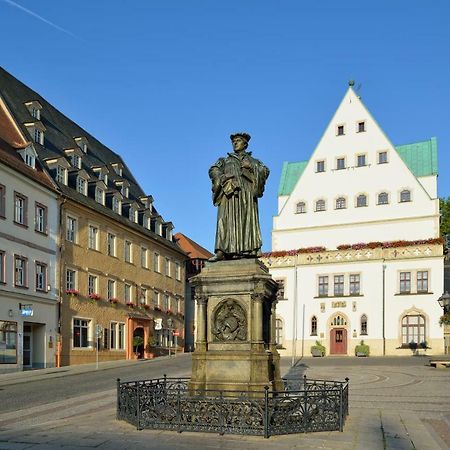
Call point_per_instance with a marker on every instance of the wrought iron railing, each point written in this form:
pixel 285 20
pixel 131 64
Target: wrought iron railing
pixel 168 404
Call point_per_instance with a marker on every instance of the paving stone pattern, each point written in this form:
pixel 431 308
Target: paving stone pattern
pixel 392 406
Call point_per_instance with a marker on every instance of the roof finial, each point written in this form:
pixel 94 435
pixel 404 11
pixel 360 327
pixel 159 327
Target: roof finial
pixel 351 83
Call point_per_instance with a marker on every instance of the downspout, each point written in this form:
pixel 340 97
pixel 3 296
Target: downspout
pixel 384 308
pixel 295 309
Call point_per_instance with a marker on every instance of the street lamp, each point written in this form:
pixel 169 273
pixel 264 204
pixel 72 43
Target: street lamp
pixel 444 301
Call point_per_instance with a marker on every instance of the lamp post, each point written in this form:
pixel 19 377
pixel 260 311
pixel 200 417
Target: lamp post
pixel 444 301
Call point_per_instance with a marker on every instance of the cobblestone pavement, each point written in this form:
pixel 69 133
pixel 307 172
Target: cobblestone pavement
pixel 401 405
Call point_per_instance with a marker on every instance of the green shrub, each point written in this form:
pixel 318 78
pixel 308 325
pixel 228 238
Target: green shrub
pixel 319 348
pixel 362 349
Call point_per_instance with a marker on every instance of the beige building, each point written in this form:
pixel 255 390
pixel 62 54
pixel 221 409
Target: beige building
pixel 121 282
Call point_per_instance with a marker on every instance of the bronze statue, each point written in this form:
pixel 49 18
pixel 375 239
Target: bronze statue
pixel 238 181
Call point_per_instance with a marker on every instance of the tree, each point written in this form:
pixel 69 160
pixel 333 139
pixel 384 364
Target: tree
pixel 444 207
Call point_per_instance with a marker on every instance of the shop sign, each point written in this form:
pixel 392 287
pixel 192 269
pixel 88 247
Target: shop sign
pixel 26 311
pixel 158 324
pixel 338 304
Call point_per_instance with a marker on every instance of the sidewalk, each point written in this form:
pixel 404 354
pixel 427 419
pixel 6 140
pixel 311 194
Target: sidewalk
pixel 7 379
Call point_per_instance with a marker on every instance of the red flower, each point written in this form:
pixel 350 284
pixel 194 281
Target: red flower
pixel 72 292
pixel 114 300
pixel 94 296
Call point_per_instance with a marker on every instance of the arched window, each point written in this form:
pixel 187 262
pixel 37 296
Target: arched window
pixel 413 329
pixel 361 200
pixel 338 321
pixel 405 196
pixel 279 332
pixel 383 198
pixel 320 205
pixel 314 326
pixel 340 203
pixel 300 208
pixel 363 324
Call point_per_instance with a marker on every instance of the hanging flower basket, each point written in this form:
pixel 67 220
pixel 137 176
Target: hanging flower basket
pixel 445 319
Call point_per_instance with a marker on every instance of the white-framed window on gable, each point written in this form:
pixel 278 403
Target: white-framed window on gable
pixel 361 200
pixel 341 203
pixel 320 205
pixel 383 198
pixel 99 195
pixel 340 163
pixel 300 208
pixel 61 174
pixel 405 196
pixel 361 160
pixel 382 157
pixel 320 166
pixel 361 126
pixel 340 130
pixel 81 185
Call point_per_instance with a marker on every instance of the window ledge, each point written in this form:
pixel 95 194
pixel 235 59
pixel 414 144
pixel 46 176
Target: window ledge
pixel 413 293
pixel 42 233
pixel 20 287
pixel 23 225
pixel 340 296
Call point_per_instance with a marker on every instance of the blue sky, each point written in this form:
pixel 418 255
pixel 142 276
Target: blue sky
pixel 165 82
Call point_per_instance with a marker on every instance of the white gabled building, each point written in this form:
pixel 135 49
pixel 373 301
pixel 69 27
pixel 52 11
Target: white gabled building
pixel 356 242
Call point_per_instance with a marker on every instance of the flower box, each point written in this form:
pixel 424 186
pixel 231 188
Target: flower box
pixel 94 296
pixel 157 308
pixel 146 306
pixel 113 300
pixel 72 292
pixel 130 304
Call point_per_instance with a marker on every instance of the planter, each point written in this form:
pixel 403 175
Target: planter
pixel 316 352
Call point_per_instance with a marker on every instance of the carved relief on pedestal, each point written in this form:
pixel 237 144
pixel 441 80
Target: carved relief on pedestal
pixel 229 322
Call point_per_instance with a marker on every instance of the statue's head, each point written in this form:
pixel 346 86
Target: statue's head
pixel 240 141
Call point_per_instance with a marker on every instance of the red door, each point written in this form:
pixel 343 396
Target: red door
pixel 338 341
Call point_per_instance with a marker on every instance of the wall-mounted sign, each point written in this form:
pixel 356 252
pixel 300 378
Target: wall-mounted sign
pixel 26 311
pixel 338 304
pixel 158 324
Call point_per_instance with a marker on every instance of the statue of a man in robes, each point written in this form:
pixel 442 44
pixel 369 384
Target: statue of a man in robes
pixel 238 181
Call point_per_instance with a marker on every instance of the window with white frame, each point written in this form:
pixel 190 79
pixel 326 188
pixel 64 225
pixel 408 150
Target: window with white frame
pixel 2 200
pixel 382 157
pixel 355 284
pixel 320 166
pixel 111 289
pixel 40 220
pixel 71 229
pixel 35 112
pixel 143 298
pixel 113 335
pixel 361 126
pixel 422 281
pixel 132 214
pixel 41 276
pixel 314 326
pixel 111 244
pixel 281 293
pixel 300 208
pixel 61 174
pixel 76 161
pixel 124 190
pixel 93 237
pixel 121 336
pixel 405 282
pixel 341 203
pixel 167 270
pixel 361 161
pixel 144 258
pixel 166 302
pixel 20 271
pixel 99 195
pixel 323 286
pixel 361 200
pixel 20 208
pixel 2 266
pixel 320 205
pixel 363 330
pixel 81 185
pixel 116 205
pixel 155 298
pixel 156 262
pixel 279 332
pixel 383 198
pixel 128 252
pixel 178 271
pixel 38 136
pixel 413 329
pixel 405 196
pixel 92 284
pixel 71 280
pixel 127 293
pixel 30 159
pixel 340 131
pixel 339 285
pixel 81 333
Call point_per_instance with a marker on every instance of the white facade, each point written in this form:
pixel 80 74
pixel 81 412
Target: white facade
pixel 357 188
pixel 28 287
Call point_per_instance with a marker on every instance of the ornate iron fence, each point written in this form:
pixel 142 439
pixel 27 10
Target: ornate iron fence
pixel 168 404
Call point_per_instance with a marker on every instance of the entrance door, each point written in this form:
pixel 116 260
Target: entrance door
pixel 27 350
pixel 338 341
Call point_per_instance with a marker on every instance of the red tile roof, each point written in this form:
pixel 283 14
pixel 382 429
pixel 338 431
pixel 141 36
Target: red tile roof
pixel 191 247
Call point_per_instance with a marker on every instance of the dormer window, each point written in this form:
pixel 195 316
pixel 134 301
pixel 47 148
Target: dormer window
pixel 82 143
pixel 124 191
pixel 34 108
pixel 117 168
pixel 76 161
pixel 61 174
pixel 99 195
pixel 132 214
pixel 81 185
pixel 29 156
pixel 30 160
pixel 38 136
pixel 116 205
pixel 146 222
pixel 102 174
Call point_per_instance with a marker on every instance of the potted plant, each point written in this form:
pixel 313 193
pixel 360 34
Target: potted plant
pixel 137 342
pixel 362 349
pixel 94 296
pixel 413 346
pixel 151 342
pixel 318 349
pixel 445 319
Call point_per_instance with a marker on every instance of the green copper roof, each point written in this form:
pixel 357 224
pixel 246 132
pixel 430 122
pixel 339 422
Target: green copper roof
pixel 290 174
pixel 420 157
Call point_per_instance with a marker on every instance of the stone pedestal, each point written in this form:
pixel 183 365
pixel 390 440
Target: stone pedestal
pixel 235 332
